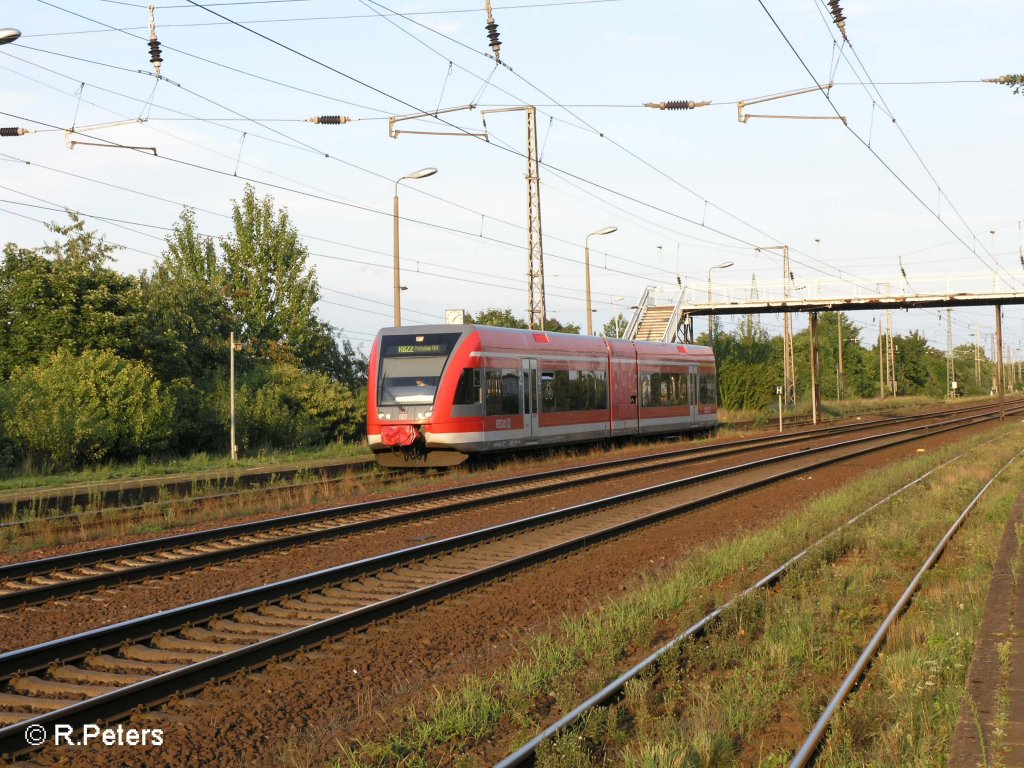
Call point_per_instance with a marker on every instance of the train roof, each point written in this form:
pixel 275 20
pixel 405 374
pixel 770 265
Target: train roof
pixel 524 339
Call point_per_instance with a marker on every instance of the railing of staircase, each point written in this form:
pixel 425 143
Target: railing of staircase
pixel 676 318
pixel 638 314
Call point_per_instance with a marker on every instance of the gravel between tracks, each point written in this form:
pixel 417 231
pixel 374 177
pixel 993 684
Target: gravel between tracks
pixel 360 683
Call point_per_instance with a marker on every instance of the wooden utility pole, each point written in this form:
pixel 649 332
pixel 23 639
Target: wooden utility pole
pixel 232 347
pixel 881 363
pixel 950 364
pixel 999 368
pixel 995 370
pixel 815 394
pixel 977 355
pixel 839 381
pixel 788 362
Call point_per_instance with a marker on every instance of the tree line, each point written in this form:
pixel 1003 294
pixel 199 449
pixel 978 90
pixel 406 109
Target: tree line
pixel 750 366
pixel 96 365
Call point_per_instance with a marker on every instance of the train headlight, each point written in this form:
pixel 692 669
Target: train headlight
pixel 382 415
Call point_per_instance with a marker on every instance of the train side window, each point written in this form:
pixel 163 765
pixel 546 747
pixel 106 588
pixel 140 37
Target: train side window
pixel 683 395
pixel 595 387
pixel 503 391
pixel 467 391
pixel 547 391
pixel 574 391
pixel 563 390
pixel 707 390
pixel 661 389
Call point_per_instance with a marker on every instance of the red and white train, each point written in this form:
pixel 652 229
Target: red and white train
pixel 438 393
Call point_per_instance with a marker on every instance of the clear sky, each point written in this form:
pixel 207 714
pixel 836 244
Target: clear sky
pixel 607 161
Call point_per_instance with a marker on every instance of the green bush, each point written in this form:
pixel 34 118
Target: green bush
pixel 199 423
pixel 283 406
pixel 72 409
pixel 9 452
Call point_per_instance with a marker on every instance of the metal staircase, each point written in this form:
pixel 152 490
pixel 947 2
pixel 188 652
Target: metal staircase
pixel 658 315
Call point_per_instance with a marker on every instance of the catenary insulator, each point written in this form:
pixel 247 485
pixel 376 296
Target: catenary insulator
pixel 837 16
pixel 676 104
pixel 154 45
pixel 492 32
pixel 329 120
pixel 492 36
pixel 14 131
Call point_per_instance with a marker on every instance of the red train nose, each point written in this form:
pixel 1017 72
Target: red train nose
pixel 398 434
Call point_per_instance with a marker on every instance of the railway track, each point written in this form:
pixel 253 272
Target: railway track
pixel 108 672
pixel 36 581
pixel 525 755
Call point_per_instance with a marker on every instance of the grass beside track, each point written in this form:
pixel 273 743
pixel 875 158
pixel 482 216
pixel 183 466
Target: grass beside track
pixel 748 694
pixel 29 477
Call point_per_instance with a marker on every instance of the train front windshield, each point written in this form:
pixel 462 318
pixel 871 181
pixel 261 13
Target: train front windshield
pixel 411 366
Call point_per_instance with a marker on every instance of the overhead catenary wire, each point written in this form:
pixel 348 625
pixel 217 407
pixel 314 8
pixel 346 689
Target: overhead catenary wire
pixel 124 224
pixel 903 183
pixel 307 147
pixel 322 197
pixel 615 192
pixel 461 272
pixel 870 149
pixel 899 127
pixel 601 134
pixel 437 12
pixel 418 110
pixel 199 5
pixel 509 148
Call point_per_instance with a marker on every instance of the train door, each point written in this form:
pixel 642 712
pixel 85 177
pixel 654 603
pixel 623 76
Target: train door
pixel 531 400
pixel 694 392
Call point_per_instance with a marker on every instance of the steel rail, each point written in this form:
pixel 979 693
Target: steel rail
pixel 190 676
pixel 609 469
pixel 525 754
pixel 809 749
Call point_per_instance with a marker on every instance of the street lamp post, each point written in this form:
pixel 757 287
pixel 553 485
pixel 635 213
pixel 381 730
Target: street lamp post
pixel 586 260
pixel 723 265
pixel 8 35
pixel 420 174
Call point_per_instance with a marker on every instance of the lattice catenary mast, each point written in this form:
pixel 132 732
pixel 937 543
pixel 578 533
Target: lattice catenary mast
pixel 536 246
